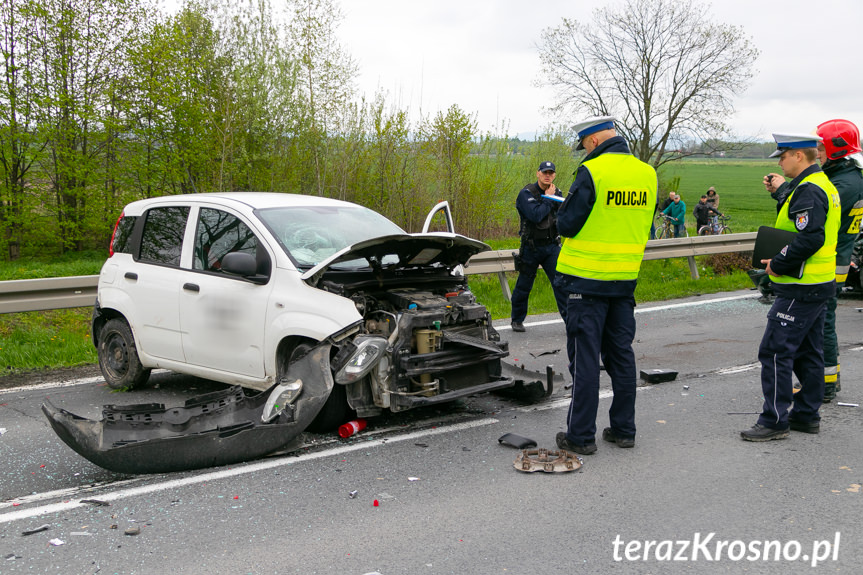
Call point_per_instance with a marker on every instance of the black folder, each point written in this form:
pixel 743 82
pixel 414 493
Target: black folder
pixel 769 242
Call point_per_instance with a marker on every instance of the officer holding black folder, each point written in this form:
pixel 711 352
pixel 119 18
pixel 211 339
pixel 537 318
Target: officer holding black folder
pixel 802 277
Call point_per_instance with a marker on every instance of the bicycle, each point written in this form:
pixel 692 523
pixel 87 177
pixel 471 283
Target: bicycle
pixel 665 230
pixel 716 226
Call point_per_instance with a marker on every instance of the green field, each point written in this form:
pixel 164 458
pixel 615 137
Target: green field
pixel 738 183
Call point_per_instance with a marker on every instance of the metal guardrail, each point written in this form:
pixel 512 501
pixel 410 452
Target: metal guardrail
pixel 80 291
pixel 48 293
pixel 501 261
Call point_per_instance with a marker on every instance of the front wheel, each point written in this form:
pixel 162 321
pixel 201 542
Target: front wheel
pixel 726 230
pixel 118 356
pixel 336 409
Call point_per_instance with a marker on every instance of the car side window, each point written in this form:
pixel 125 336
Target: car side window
pixel 162 238
pixel 121 243
pixel 220 233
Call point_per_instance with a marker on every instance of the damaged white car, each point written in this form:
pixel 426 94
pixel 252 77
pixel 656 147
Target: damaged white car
pixel 312 309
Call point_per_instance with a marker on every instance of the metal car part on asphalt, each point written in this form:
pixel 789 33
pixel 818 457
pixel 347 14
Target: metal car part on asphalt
pixel 548 461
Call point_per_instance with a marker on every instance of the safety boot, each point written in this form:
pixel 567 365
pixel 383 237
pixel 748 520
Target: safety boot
pixel 831 376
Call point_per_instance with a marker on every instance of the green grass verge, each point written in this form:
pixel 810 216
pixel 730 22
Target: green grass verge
pixel 46 340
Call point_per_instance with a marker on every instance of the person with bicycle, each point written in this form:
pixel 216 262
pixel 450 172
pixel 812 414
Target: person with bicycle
pixel 677 212
pixel 705 215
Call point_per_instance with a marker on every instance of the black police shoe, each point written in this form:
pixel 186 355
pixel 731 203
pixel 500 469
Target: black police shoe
pixel 567 445
pixel 609 435
pixel 760 433
pixel 804 426
pixel 517 326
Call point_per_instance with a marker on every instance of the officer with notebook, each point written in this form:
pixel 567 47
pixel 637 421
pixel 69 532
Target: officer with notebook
pixel 802 277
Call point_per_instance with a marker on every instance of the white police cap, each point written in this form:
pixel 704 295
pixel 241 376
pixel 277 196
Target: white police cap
pixel 591 126
pixel 793 142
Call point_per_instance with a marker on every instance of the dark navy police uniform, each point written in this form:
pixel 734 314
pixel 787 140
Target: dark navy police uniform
pixel 540 246
pixel 793 338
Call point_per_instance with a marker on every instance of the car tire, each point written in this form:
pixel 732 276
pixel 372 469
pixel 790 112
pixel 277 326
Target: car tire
pixel 336 409
pixel 335 412
pixel 118 356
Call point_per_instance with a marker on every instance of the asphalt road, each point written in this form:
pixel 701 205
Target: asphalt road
pixel 449 497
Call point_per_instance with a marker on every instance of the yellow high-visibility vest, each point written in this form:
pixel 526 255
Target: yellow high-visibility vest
pixel 821 266
pixel 610 246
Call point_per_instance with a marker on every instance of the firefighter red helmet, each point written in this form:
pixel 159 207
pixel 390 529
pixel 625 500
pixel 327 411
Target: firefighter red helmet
pixel 840 137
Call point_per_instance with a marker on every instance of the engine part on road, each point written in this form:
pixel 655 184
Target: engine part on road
pixel 530 460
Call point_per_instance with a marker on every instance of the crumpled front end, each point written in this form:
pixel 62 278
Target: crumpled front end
pixel 218 428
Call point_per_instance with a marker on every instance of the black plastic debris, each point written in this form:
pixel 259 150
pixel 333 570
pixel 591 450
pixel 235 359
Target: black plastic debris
pixel 218 428
pixel 542 353
pixel 96 502
pixel 39 529
pixel 658 375
pixel 529 391
pixel 515 440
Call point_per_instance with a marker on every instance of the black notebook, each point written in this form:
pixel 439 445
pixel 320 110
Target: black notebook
pixel 769 242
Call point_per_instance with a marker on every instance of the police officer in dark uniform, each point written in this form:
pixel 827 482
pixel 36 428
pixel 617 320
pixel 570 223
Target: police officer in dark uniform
pixel 802 278
pixel 537 206
pixel 604 223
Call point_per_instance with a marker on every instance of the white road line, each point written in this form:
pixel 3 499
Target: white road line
pixel 564 401
pixel 68 383
pixel 645 309
pixel 738 369
pixel 64 493
pixel 242 470
pixel 53 384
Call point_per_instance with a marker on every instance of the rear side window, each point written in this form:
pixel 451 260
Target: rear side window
pixel 162 239
pixel 121 244
pixel 220 233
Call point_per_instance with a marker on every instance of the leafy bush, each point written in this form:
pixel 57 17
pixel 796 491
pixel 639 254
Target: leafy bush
pixel 726 264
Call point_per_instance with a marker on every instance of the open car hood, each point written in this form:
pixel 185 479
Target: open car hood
pixel 404 251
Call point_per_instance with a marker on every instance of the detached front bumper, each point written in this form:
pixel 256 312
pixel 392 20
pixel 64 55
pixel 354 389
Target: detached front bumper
pixel 219 428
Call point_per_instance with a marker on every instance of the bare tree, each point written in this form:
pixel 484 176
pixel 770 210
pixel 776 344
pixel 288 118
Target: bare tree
pixel 663 68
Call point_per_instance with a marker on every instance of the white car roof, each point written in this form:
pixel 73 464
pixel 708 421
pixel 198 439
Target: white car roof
pixel 253 200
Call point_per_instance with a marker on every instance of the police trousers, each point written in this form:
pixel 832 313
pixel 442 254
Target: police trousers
pixel 792 343
pixel 531 259
pixel 600 328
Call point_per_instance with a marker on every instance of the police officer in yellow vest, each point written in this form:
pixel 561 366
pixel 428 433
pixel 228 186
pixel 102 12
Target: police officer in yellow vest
pixel 604 222
pixel 802 277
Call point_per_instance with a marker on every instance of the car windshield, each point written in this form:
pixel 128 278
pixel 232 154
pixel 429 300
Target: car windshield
pixel 311 234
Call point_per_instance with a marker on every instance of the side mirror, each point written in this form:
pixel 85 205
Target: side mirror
pixel 243 265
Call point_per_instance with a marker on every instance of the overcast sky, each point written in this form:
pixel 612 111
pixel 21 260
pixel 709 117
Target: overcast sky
pixel 481 55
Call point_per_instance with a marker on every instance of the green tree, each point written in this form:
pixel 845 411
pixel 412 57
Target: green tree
pixel 663 68
pixel 20 145
pixel 79 43
pixel 446 139
pixel 325 84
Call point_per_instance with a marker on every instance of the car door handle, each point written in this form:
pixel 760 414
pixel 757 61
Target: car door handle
pixel 131 276
pixel 192 287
